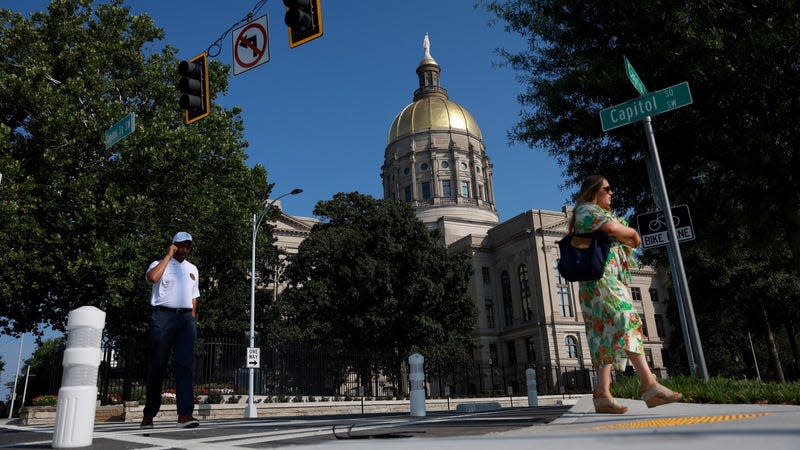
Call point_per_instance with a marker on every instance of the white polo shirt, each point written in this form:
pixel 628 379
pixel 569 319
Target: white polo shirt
pixel 179 285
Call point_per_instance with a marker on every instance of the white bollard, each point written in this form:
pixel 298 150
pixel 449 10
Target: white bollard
pixel 416 379
pixel 533 394
pixel 77 397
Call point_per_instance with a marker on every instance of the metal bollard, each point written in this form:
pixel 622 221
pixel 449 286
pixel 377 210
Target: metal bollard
pixel 533 394
pixel 77 397
pixel 416 379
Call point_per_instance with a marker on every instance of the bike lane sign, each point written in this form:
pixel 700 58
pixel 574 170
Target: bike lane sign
pixel 653 226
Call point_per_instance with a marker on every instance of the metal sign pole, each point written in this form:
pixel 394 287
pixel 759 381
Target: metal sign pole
pixel 673 242
pixel 679 299
pixel 676 286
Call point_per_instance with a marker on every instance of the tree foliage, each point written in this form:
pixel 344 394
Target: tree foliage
pixel 373 278
pixel 39 369
pixel 733 155
pixel 79 223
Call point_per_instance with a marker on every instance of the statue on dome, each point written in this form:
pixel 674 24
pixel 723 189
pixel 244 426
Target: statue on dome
pixel 426 45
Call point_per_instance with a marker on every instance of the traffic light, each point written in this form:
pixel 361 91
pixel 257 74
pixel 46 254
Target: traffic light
pixel 194 87
pixel 304 19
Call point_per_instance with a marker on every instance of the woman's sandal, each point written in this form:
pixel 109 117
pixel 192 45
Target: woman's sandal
pixel 608 405
pixel 659 395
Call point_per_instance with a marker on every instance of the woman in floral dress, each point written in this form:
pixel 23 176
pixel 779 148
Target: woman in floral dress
pixel 613 328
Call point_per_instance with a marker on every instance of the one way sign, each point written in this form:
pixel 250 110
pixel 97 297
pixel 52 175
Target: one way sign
pixel 253 357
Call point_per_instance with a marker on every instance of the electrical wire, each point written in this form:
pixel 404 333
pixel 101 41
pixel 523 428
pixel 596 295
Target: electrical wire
pixel 247 19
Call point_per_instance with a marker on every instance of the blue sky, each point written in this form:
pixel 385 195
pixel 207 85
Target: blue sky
pixel 317 116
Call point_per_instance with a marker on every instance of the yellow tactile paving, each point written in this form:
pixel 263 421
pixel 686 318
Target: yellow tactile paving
pixel 678 421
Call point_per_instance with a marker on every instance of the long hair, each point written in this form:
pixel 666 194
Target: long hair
pixel 589 188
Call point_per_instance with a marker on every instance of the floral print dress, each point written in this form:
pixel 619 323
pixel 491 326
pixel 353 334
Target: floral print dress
pixel 612 326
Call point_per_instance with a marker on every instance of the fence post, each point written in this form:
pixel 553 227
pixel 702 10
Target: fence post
pixel 533 394
pixel 77 397
pixel 416 378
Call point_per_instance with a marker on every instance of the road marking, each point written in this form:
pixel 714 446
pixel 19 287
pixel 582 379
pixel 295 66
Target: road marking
pixel 679 421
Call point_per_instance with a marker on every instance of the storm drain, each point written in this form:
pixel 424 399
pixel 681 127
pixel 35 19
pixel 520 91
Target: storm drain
pixel 679 421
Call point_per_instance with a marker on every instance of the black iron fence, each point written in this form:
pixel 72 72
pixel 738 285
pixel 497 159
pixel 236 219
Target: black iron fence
pixel 289 372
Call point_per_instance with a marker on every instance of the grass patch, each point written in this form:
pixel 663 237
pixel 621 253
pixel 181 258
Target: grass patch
pixel 716 390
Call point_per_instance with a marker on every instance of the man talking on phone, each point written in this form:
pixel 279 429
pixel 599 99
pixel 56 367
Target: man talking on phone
pixel 175 290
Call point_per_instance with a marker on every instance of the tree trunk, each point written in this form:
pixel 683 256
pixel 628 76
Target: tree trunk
pixel 773 348
pixel 792 334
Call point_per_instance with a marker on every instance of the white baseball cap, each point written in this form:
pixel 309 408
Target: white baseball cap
pixel 181 236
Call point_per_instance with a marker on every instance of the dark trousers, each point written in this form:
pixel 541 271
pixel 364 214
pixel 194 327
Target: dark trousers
pixel 171 330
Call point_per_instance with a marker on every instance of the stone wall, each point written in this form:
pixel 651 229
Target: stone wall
pixel 132 411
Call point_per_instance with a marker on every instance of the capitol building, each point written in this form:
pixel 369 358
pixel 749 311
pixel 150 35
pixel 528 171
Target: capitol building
pixel 528 315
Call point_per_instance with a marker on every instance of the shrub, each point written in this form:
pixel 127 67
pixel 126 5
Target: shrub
pixel 113 398
pixel 311 398
pixel 233 399
pixel 298 399
pixel 45 400
pixel 168 398
pixel 214 397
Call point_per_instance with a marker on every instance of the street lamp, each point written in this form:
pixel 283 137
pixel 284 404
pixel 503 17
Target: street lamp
pixel 250 411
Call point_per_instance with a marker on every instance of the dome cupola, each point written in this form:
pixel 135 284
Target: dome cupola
pixel 435 157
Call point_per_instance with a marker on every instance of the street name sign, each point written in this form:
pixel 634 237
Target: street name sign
pixel 651 104
pixel 634 77
pixel 253 357
pixel 653 226
pixel 120 130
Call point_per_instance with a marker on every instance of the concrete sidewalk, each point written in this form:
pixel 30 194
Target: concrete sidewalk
pixel 679 425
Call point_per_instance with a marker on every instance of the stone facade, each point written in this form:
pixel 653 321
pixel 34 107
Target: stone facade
pixel 132 411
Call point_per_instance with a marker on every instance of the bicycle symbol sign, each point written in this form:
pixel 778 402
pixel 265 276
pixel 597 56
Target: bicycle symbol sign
pixel 653 226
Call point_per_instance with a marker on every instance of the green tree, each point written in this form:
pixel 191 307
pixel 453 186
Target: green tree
pixel 39 369
pixel 79 223
pixel 732 155
pixel 371 278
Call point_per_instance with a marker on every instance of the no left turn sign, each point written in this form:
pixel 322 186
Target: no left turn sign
pixel 250 45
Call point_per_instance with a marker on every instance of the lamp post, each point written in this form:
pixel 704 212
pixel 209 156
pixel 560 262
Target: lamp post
pixel 250 411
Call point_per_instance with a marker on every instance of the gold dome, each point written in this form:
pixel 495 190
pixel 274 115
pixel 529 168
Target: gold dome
pixel 433 112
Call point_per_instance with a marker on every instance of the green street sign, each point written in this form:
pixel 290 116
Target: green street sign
pixel 634 77
pixel 120 130
pixel 651 104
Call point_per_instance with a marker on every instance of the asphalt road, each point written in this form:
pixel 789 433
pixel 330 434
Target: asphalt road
pixel 288 431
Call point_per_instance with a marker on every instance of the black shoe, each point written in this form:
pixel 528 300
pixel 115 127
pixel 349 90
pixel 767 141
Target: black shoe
pixel 187 422
pixel 147 423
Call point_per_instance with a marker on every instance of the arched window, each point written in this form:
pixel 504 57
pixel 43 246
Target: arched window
pixel 524 293
pixel 562 292
pixel 508 307
pixel 572 347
